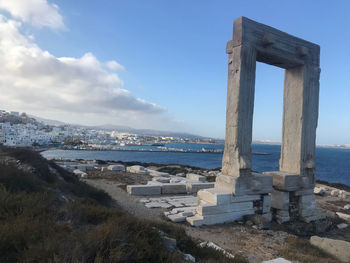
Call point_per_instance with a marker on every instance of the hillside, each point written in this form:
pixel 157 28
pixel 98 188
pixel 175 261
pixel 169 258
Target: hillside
pixel 48 215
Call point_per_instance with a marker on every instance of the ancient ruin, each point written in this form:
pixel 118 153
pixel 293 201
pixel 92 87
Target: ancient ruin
pixel 288 193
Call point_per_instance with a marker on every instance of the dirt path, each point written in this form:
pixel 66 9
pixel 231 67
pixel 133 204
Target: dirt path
pixel 128 202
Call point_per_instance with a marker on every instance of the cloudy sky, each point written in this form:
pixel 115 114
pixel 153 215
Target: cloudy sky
pixel 160 64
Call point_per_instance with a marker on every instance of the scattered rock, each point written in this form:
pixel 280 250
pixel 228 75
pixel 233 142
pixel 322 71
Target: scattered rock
pixel 343 216
pixel 342 226
pixel 169 243
pixel 216 247
pixel 343 194
pixel 189 258
pixel 337 248
pixel 259 221
pixel 335 192
pixel 319 191
pixel 347 207
pixel 278 260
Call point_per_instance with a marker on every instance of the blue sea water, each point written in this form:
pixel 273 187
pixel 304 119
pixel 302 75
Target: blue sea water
pixel 332 164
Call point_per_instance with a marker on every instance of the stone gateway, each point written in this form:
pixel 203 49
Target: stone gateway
pixel 288 193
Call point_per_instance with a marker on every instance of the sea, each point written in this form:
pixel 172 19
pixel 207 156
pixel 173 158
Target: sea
pixel 332 164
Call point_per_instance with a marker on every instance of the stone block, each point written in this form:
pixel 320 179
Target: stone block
pixel 156 173
pixel 196 177
pixel 282 220
pixel 303 192
pixel 316 216
pixel 266 204
pixel 280 200
pixel 307 203
pixel 285 181
pixel 244 198
pixel 338 248
pixel 209 209
pixel 137 169
pixel 116 167
pixel 267 216
pixel 154 183
pixel 174 189
pixel 144 189
pixel 193 188
pixel 177 218
pixel 161 179
pixel 199 220
pixel 245 185
pixel 215 196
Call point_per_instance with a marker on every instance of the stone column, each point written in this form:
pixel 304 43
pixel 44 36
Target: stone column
pixel 300 114
pixel 237 159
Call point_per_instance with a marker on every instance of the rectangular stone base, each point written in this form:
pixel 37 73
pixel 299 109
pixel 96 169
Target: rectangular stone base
pixel 219 197
pixel 199 220
pixel 144 189
pixel 174 189
pixel 255 183
pixel 205 209
pixel 284 181
pixel 193 188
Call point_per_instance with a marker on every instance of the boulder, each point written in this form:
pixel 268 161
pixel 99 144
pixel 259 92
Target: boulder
pixel 347 207
pixel 338 248
pixel 319 191
pixel 343 216
pixel 335 193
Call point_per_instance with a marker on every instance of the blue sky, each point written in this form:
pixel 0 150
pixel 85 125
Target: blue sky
pixel 174 57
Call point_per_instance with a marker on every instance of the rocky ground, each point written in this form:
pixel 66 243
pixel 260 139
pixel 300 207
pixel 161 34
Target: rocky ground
pixel 289 240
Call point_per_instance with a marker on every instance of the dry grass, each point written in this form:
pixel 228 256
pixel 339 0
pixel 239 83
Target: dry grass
pixel 298 249
pixel 56 218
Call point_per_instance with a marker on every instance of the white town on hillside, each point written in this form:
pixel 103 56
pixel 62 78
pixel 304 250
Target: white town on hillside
pixel 17 129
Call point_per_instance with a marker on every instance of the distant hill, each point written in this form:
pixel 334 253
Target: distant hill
pixel 21 119
pixel 47 121
pixel 148 132
pixel 121 128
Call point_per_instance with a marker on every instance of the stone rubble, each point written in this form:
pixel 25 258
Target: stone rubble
pixel 168 184
pixel 181 206
pixel 216 247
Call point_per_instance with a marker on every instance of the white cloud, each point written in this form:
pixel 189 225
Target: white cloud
pixel 114 65
pixel 39 13
pixel 79 89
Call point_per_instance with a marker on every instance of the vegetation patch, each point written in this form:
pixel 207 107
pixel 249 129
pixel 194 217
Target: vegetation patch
pixel 298 249
pixel 54 217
